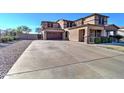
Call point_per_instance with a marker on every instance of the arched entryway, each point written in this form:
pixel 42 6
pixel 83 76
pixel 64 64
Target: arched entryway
pixel 66 35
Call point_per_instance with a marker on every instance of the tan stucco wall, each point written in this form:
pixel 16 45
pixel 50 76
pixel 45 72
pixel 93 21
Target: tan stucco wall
pixel 74 33
pixel 44 35
pixel 103 33
pixel 120 32
pixel 90 20
pixel 79 22
pixel 96 27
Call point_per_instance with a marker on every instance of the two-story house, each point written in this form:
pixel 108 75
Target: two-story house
pixel 83 30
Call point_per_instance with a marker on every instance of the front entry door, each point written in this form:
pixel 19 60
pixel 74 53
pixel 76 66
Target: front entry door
pixel 81 35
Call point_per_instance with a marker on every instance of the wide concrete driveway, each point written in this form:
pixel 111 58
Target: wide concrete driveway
pixel 66 59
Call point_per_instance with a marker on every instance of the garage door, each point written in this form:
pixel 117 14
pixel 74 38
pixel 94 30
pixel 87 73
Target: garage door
pixel 54 36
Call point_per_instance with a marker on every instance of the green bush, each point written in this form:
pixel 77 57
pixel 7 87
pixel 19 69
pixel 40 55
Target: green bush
pixel 14 38
pixel 7 38
pixel 110 40
pixel 104 39
pixel 4 40
pixel 107 40
pixel 97 40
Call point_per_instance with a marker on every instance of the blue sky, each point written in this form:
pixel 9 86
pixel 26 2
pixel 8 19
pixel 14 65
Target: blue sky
pixel 33 20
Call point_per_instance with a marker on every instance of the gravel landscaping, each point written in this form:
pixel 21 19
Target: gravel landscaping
pixel 9 54
pixel 3 45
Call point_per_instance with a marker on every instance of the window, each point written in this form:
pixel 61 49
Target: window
pixel 70 24
pixel 50 24
pixel 67 24
pixel 101 20
pixel 97 33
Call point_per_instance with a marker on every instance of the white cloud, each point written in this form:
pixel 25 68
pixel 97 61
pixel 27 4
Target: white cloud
pixel 61 6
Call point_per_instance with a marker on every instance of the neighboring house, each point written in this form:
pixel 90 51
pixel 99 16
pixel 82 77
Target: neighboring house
pixel 83 30
pixel 121 31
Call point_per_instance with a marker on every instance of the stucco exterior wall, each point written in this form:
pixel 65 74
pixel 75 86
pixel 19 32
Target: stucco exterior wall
pixel 79 22
pixel 44 35
pixel 76 35
pixel 103 33
pixel 96 27
pixel 120 32
pixel 90 20
pixel 73 35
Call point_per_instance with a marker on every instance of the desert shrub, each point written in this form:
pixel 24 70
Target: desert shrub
pixel 10 38
pixel 97 40
pixel 14 38
pixel 104 39
pixel 4 39
pixel 7 38
pixel 110 40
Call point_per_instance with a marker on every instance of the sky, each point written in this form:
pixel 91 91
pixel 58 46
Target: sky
pixel 33 20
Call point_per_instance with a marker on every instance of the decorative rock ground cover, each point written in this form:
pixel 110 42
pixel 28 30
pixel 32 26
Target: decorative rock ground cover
pixel 10 53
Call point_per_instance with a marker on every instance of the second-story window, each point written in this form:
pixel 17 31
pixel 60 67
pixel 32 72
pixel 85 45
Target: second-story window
pixel 70 24
pixel 67 24
pixel 50 25
pixel 101 20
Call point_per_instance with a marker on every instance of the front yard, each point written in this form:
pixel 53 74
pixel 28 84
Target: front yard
pixel 118 48
pixel 113 46
pixel 9 53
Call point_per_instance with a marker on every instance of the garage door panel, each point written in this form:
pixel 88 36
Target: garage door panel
pixel 54 36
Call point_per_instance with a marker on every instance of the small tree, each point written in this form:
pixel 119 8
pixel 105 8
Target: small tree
pixel 0 33
pixel 10 32
pixel 118 37
pixel 23 29
pixel 19 30
pixel 28 31
pixel 38 30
